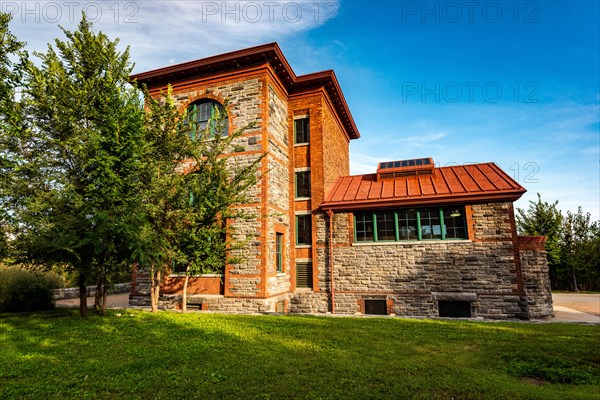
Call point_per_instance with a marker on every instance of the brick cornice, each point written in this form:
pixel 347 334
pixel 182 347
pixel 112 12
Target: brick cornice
pixel 240 60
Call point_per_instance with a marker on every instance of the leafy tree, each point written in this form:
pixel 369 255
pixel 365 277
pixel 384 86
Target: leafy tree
pixel 73 193
pixel 579 242
pixel 12 60
pixel 190 186
pixel 542 219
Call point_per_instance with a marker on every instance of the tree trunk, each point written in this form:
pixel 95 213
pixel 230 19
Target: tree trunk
pixel 575 287
pixel 155 277
pixel 82 296
pixel 157 289
pixel 97 298
pixel 104 295
pixel 185 285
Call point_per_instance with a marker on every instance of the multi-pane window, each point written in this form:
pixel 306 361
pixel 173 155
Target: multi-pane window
pixel 363 226
pixel 279 252
pixel 433 223
pixel 454 223
pixel 431 227
pixel 386 227
pixel 303 229
pixel 302 184
pixel 301 130
pixel 407 225
pixel 202 117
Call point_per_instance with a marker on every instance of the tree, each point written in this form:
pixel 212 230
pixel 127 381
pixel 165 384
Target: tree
pixel 573 245
pixel 190 186
pixel 166 149
pixel 579 240
pixel 73 193
pixel 542 219
pixel 12 60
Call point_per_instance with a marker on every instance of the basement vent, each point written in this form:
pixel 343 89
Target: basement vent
pixel 304 278
pixel 455 309
pixel 280 306
pixel 376 307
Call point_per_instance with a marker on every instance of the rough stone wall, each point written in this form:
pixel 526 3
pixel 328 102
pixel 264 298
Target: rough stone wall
pixel 278 218
pixel 414 276
pixel 536 278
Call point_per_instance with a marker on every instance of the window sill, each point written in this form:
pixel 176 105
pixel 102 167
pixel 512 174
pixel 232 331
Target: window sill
pixel 301 144
pixel 411 242
pixel 303 246
pixel 280 274
pixel 301 198
pixel 304 290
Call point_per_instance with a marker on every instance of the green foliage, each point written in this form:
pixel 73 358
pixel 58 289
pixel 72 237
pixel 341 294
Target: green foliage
pixel 542 219
pixel 188 189
pixel 573 244
pixel 23 290
pixel 75 173
pixel 12 60
pixel 580 255
pixel 210 356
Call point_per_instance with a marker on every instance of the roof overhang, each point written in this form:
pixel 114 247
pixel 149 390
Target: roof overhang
pixel 462 184
pixel 423 201
pixel 241 59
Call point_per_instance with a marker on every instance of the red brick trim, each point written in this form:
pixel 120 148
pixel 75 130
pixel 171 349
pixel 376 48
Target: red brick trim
pixel 532 243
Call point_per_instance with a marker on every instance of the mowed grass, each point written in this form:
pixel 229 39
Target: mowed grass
pixel 133 354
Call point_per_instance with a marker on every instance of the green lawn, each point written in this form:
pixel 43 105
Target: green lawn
pixel 132 354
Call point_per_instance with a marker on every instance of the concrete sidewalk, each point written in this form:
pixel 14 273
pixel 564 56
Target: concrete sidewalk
pixel 565 314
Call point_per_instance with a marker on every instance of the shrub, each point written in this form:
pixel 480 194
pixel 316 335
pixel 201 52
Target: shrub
pixel 23 290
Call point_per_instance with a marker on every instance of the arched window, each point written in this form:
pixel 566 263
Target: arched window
pixel 202 114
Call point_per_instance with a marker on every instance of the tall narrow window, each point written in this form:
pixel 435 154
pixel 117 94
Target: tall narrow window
pixel 302 184
pixel 363 225
pixel 202 116
pixel 301 130
pixel 279 252
pixel 303 229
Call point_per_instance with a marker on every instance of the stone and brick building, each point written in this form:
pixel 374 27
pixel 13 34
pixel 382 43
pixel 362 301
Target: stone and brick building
pixel 411 239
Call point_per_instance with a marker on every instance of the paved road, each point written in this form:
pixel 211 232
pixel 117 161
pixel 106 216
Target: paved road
pixel 587 303
pixel 113 301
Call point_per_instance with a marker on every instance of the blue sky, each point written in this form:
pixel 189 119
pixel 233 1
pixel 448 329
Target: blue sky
pixel 514 82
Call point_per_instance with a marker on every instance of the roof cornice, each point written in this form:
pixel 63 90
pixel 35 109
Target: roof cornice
pixel 237 60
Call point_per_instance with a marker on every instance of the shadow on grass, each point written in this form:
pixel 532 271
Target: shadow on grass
pixel 133 354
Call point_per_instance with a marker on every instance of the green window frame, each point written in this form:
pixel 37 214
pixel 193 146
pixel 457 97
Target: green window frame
pixel 302 184
pixel 304 229
pixel 202 115
pixel 279 251
pixel 410 224
pixel 302 130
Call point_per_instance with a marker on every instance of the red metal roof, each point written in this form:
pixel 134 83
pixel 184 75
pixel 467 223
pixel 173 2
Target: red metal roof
pixel 237 60
pixel 456 184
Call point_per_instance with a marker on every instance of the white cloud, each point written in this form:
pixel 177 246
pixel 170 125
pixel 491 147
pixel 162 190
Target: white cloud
pixel 167 32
